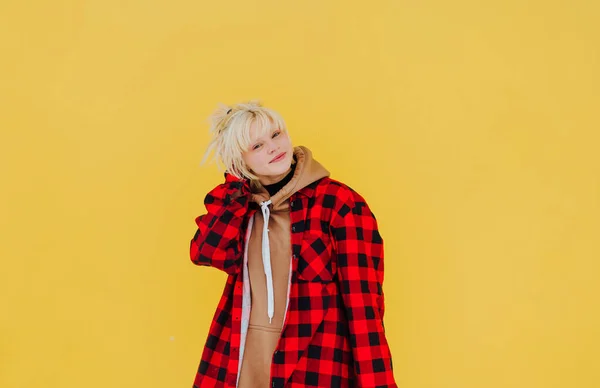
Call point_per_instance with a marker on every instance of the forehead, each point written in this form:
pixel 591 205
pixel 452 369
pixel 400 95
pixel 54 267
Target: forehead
pixel 261 127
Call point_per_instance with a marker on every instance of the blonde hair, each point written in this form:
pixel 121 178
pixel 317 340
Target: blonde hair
pixel 230 129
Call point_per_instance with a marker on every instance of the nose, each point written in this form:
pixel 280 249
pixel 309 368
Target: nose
pixel 272 147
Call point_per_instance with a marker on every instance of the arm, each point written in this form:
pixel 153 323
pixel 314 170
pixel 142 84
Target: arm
pixel 359 248
pixel 218 241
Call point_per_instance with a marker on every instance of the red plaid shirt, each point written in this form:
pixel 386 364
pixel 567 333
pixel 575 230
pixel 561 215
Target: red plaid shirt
pixel 333 334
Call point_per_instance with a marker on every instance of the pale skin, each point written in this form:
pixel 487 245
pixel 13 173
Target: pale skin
pixel 270 156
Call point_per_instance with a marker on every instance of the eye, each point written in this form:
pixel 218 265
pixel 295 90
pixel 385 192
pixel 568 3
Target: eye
pixel 277 133
pixel 256 146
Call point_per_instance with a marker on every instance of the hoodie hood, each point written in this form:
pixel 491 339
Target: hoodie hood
pixel 307 171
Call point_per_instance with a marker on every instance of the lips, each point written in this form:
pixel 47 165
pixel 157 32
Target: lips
pixel 278 158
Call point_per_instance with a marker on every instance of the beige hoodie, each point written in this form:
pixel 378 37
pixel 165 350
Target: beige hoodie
pixel 262 336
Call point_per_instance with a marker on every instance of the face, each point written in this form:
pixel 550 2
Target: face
pixel 269 156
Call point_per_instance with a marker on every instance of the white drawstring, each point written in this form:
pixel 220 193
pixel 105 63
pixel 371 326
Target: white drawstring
pixel 266 257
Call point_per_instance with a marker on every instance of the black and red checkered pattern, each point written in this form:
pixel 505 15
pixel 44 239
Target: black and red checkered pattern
pixel 333 333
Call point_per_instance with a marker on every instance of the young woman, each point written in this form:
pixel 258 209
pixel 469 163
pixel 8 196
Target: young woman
pixel 303 303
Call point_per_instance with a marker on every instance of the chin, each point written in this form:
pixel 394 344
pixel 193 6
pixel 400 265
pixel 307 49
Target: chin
pixel 282 169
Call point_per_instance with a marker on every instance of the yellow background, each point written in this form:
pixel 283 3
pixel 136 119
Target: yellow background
pixel 470 127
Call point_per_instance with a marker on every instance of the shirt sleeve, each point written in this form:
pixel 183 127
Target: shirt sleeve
pixel 359 248
pixel 218 241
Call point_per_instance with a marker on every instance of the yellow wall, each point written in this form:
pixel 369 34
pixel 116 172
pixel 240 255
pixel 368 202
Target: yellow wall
pixel 471 129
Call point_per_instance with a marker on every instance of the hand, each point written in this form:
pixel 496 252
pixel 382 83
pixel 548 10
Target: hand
pixel 237 190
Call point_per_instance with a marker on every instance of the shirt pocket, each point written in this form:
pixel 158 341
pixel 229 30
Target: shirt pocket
pixel 315 263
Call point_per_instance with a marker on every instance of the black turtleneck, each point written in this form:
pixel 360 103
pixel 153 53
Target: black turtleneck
pixel 275 187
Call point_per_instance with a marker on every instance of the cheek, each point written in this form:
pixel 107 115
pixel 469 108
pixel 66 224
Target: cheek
pixel 286 141
pixel 248 160
pixel 255 161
